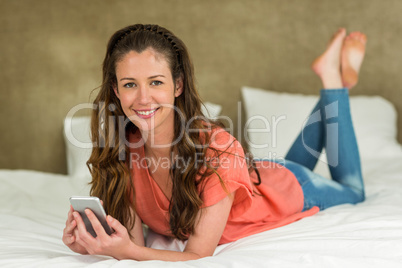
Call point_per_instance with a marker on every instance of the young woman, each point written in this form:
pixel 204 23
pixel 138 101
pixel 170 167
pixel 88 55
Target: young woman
pixel 158 161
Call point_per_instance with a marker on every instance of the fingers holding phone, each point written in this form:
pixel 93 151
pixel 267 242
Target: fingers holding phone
pixel 97 227
pixel 78 225
pixel 71 224
pixel 81 204
pixel 93 232
pixel 69 234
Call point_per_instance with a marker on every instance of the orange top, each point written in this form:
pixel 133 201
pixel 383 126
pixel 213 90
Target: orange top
pixel 277 201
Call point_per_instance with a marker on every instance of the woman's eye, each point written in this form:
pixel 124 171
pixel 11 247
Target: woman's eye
pixel 156 83
pixel 129 85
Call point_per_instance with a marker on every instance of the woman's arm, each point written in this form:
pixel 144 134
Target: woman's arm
pixel 202 243
pixel 137 234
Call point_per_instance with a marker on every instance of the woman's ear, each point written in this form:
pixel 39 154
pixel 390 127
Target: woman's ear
pixel 116 91
pixel 179 87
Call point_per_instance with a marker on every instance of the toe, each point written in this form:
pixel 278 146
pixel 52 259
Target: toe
pixel 363 38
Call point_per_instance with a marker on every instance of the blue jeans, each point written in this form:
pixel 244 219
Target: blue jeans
pixel 329 126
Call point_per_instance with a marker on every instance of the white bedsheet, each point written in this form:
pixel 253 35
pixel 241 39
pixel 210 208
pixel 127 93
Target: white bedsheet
pixel 34 205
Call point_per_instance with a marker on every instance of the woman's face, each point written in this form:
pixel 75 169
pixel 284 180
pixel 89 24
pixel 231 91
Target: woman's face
pixel 146 90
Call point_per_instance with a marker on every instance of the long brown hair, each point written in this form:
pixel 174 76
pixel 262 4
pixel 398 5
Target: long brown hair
pixel 111 176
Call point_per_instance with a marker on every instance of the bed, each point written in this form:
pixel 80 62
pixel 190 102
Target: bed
pixel 34 205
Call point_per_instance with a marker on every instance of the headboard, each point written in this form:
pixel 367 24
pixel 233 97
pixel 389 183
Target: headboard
pixel 51 55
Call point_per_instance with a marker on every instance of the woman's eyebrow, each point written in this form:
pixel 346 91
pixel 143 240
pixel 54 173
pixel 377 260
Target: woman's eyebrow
pixel 154 76
pixel 126 78
pixel 151 77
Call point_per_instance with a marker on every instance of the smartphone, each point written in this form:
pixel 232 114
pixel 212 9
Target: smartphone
pixel 80 203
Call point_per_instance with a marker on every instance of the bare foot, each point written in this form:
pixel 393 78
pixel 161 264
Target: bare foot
pixel 327 66
pixel 352 57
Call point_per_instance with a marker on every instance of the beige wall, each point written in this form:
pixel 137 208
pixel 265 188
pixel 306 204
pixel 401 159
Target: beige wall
pixel 51 53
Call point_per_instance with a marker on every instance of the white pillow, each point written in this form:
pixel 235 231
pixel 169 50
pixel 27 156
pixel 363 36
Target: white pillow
pixel 79 146
pixel 374 121
pixel 211 110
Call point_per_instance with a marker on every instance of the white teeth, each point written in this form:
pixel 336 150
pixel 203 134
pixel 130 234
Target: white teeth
pixel 147 112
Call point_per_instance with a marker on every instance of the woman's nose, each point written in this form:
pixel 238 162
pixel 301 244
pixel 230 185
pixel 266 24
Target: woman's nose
pixel 144 95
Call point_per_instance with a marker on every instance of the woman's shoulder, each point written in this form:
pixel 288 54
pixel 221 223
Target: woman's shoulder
pixel 224 146
pixel 221 139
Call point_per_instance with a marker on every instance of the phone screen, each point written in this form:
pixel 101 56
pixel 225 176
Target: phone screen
pixel 80 203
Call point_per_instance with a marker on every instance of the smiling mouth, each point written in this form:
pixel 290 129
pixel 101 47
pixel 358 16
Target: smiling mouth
pixel 146 113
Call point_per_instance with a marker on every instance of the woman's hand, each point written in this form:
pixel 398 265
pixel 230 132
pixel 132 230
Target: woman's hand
pixel 117 245
pixel 69 238
pixel 201 243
